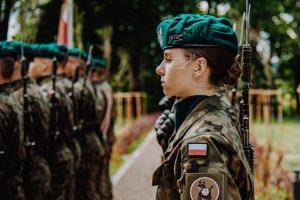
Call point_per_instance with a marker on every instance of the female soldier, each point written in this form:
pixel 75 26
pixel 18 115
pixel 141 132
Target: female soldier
pixel 199 56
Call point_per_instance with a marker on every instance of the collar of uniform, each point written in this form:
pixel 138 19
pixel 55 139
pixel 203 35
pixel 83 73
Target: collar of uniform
pixel 16 84
pixel 5 88
pixel 184 107
pixel 207 105
pixel 61 75
pixel 42 79
pixel 31 81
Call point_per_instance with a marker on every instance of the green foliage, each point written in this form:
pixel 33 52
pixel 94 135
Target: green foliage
pixel 132 29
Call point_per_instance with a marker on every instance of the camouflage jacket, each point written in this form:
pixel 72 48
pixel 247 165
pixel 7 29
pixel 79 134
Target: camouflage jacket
pixel 66 85
pixel 107 125
pixel 64 111
pixel 86 111
pixel 11 133
pixel 229 109
pixel 38 106
pixel 101 102
pixel 221 164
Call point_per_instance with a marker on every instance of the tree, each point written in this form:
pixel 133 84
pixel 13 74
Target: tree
pixel 5 8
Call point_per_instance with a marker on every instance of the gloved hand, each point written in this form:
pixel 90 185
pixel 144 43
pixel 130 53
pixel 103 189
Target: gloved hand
pixel 164 127
pixel 166 102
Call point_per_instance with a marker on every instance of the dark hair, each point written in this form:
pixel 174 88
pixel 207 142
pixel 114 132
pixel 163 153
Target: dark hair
pixel 64 62
pixel 221 61
pixel 7 67
pixel 99 71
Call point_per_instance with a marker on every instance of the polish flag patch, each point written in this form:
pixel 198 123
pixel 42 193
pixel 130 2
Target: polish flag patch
pixel 198 149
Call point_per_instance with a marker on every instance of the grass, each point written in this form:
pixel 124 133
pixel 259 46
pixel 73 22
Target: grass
pixel 115 163
pixel 282 137
pixel 285 136
pixel 135 143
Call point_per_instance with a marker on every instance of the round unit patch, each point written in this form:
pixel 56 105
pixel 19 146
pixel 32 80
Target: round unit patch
pixel 204 188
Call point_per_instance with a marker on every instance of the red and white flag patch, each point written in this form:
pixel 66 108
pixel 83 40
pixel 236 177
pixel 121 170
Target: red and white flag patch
pixel 197 149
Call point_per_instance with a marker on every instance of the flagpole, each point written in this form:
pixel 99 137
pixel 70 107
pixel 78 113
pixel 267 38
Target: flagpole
pixel 70 43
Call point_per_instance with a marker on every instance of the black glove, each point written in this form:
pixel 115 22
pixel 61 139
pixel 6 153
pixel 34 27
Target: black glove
pixel 164 127
pixel 166 102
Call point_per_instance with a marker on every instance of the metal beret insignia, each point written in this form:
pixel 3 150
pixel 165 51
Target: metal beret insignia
pixel 175 38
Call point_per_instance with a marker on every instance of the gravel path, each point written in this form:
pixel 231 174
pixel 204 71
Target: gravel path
pixel 133 180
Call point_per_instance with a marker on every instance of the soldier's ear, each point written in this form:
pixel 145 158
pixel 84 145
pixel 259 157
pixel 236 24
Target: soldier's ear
pixel 44 65
pixel 200 67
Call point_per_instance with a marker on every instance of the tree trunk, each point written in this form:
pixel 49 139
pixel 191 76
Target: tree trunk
pixel 4 23
pixel 134 72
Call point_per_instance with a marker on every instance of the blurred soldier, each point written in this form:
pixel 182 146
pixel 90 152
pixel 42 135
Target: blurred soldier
pixel 61 159
pixel 66 85
pixel 92 149
pixel 37 184
pixel 107 130
pixel 12 152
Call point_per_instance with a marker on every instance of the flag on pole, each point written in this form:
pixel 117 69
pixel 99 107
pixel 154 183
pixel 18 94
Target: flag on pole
pixel 65 27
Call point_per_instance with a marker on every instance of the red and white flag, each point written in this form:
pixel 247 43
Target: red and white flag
pixel 197 149
pixel 65 27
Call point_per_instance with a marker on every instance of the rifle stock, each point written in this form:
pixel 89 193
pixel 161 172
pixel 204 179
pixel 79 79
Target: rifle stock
pixel 82 96
pixel 244 112
pixel 26 118
pixel 53 110
pixel 72 95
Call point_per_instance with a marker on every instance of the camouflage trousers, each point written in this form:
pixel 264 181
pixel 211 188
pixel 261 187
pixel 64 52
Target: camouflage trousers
pixel 70 187
pixel 38 184
pixel 104 183
pixel 61 173
pixel 11 188
pixel 86 177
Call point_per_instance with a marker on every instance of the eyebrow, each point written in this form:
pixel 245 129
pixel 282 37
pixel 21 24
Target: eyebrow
pixel 167 54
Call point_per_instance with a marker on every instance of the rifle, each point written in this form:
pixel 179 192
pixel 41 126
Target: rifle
pixel 26 118
pixel 53 108
pixel 82 97
pixel 248 150
pixel 234 89
pixel 72 95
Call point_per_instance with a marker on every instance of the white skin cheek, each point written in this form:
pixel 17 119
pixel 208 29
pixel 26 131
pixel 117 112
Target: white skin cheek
pixel 173 82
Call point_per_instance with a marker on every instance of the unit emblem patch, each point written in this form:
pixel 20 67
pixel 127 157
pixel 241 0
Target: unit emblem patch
pixel 204 188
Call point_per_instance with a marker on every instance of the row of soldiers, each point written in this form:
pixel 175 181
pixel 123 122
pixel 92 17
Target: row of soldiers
pixel 56 128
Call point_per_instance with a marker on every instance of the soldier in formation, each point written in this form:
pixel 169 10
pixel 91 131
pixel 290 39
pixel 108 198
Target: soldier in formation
pixel 70 126
pixel 201 139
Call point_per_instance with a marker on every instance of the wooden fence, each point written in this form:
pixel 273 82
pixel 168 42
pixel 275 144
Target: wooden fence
pixel 263 103
pixel 130 105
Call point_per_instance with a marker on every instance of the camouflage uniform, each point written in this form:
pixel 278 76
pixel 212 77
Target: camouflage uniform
pixel 104 184
pixel 11 146
pixel 229 109
pixel 92 149
pixel 225 163
pixel 39 175
pixel 66 85
pixel 62 159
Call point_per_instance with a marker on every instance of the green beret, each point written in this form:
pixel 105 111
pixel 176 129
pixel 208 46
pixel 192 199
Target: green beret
pixel 192 30
pixel 7 51
pixel 47 51
pixel 28 52
pixel 96 62
pixel 75 52
pixel 61 47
